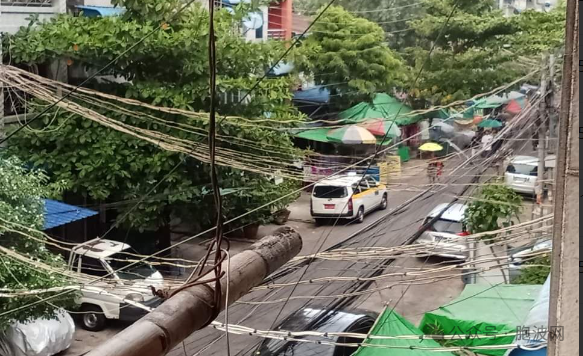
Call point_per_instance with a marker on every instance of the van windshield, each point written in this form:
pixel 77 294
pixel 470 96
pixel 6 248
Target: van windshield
pixel 523 169
pixel 136 270
pixel 328 192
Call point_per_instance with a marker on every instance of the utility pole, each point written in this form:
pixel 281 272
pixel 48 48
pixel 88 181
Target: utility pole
pixel 192 308
pixel 2 118
pixel 542 134
pixel 564 298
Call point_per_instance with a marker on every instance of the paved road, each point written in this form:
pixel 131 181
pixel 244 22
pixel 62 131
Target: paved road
pixel 395 228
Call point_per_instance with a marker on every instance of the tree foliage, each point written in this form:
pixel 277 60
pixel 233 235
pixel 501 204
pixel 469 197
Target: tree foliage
pixel 535 271
pixel 493 205
pixel 469 55
pixel 348 53
pixel 21 209
pixel 168 68
pixel 539 32
pixel 393 16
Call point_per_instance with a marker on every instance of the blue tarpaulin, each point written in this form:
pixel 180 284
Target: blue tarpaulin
pixel 100 11
pixel 57 213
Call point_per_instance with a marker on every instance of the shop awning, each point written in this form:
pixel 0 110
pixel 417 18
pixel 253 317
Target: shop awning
pixel 383 106
pixel 321 135
pixel 392 324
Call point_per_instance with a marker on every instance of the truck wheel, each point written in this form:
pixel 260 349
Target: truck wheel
pixel 360 215
pixel 92 318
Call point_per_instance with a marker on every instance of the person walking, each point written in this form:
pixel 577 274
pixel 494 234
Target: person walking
pixel 434 170
pixel 487 140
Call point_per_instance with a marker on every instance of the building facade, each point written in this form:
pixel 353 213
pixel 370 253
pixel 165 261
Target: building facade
pixel 15 13
pixel 511 7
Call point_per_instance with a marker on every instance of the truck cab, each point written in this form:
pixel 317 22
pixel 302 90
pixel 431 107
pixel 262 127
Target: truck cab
pixel 116 281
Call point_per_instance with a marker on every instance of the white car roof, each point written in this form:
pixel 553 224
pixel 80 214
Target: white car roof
pixel 342 181
pixel 454 213
pixel 100 248
pixel 550 161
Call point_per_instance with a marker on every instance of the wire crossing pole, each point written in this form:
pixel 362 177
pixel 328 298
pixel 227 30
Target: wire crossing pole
pixel 193 308
pixel 564 298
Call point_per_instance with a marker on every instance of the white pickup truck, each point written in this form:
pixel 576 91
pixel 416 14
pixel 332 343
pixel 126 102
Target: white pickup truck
pixel 123 284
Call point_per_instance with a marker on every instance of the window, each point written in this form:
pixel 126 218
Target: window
pixel 523 169
pixel 447 226
pixel 363 185
pixel 371 182
pixel 330 192
pixel 128 265
pixel 93 267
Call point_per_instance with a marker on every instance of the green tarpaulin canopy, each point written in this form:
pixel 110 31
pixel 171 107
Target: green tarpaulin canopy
pixel 321 135
pixel 481 310
pixel 383 106
pixel 392 324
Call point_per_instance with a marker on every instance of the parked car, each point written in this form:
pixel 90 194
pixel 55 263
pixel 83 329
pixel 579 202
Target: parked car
pixel 445 237
pixel 319 320
pixel 105 258
pixel 516 256
pixel 41 337
pixel 522 173
pixel 348 197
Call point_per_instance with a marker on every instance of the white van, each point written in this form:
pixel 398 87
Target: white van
pixel 445 237
pixel 522 173
pixel 111 297
pixel 348 197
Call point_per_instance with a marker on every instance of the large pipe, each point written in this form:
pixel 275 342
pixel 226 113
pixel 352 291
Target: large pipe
pixel 191 309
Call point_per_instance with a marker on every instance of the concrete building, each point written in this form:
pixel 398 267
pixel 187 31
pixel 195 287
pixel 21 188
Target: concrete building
pixel 511 7
pixel 15 13
pixel 271 22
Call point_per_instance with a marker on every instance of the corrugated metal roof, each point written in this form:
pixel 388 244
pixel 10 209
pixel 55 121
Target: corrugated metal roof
pixel 57 213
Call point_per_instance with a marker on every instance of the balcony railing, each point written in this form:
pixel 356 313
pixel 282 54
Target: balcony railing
pixel 32 3
pixel 278 34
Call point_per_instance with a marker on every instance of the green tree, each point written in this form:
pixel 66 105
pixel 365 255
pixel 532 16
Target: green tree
pixel 21 209
pixel 469 57
pixel 535 271
pixel 493 206
pixel 169 68
pixel 348 53
pixel 393 16
pixel 538 32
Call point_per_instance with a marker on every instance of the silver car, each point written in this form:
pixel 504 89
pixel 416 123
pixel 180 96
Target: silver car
pixel 445 237
pixel 522 173
pixel 517 256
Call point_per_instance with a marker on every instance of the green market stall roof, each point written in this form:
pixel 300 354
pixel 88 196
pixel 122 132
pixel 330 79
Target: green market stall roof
pixel 320 134
pixel 481 310
pixel 392 324
pixel 383 106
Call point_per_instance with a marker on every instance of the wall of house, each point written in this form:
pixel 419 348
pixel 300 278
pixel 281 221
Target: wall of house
pixel 106 3
pixel 280 20
pixel 509 6
pixel 12 16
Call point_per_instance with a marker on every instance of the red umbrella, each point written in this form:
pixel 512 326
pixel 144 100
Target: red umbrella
pixel 513 107
pixel 380 127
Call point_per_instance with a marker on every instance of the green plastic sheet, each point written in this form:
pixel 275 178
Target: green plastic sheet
pixel 482 310
pixel 321 135
pixel 383 106
pixel 392 324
